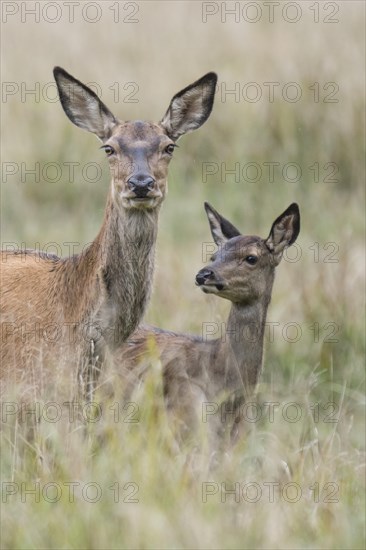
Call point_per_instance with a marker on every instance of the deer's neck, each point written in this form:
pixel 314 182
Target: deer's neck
pixel 115 273
pixel 126 254
pixel 242 344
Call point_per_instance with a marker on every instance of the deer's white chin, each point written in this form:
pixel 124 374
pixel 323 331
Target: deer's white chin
pixel 141 204
pixel 209 289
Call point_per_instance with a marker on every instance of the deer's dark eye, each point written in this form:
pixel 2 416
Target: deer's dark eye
pixel 169 149
pixel 252 260
pixel 109 150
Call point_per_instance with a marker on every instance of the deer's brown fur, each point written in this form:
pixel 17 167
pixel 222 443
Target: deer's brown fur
pixel 71 310
pixel 215 377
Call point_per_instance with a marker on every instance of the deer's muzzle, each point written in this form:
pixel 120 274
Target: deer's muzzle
pixel 140 185
pixel 207 278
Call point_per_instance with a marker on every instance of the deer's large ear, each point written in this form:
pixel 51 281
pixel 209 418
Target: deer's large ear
pixel 284 232
pixel 83 106
pixel 221 229
pixel 191 107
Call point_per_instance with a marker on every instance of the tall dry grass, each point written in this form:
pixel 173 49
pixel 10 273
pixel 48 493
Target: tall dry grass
pixel 165 50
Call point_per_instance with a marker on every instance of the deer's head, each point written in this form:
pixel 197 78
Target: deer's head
pixel 242 269
pixel 139 152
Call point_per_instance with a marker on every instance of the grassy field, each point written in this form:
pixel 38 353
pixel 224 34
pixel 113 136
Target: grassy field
pixel 117 481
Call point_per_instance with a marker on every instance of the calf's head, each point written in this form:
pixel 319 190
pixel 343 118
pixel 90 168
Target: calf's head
pixel 242 269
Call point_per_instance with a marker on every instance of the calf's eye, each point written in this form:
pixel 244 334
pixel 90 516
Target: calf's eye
pixel 252 260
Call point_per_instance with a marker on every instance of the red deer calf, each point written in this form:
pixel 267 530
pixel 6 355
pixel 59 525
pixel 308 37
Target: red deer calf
pixel 198 372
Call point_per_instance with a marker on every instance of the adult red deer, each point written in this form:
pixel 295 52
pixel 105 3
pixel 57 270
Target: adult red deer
pixel 95 300
pixel 211 379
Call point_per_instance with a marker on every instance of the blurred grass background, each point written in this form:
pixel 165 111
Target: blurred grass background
pixel 166 49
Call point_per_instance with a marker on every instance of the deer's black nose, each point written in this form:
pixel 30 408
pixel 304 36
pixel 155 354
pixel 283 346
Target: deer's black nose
pixel 141 184
pixel 204 275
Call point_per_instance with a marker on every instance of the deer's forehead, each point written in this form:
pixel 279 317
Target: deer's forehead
pixel 240 243
pixel 245 245
pixel 138 131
